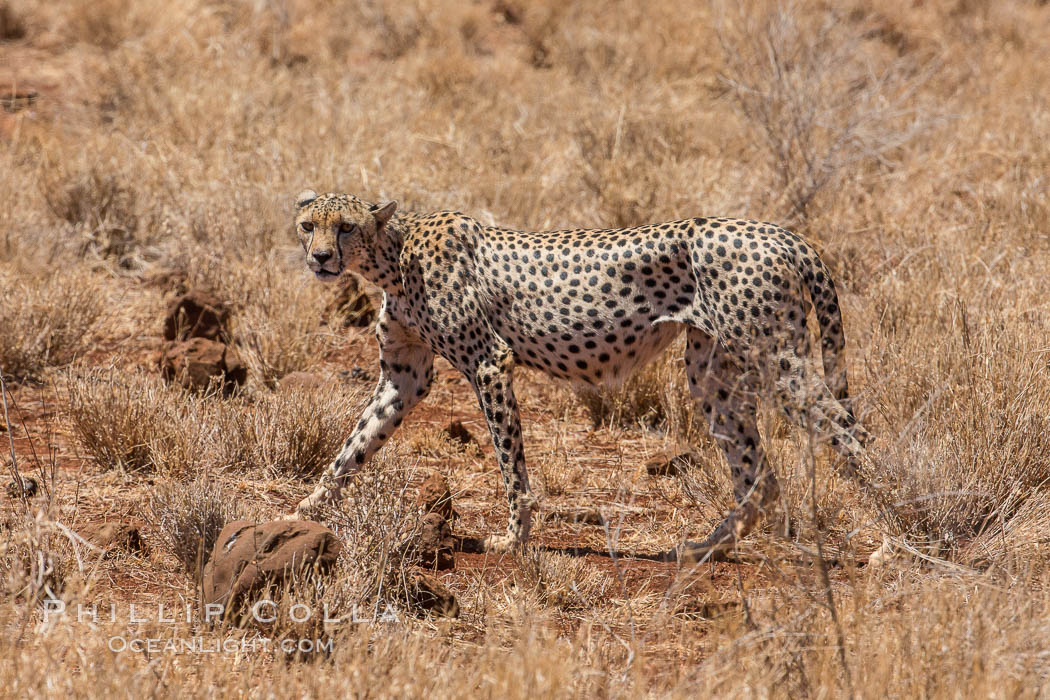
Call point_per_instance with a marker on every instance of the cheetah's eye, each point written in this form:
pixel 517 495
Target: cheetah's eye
pixel 307 226
pixel 346 228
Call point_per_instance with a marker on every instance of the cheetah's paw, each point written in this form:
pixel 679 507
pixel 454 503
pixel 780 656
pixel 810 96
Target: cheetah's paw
pixel 501 544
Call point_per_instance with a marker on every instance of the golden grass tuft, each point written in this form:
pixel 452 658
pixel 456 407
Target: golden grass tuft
pixel 137 422
pixel 294 432
pixel 46 320
pixel 190 517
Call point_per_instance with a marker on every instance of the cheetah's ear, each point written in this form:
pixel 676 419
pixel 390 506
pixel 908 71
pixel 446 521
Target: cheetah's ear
pixel 383 213
pixel 304 198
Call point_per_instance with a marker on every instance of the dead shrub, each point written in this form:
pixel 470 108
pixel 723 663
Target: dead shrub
pixel 190 518
pixel 279 330
pixel 35 561
pixel 449 76
pixel 97 202
pixel 374 520
pixel 46 321
pixel 289 433
pixel 132 421
pixel 560 580
pixel 819 104
pixel 106 23
pixel 399 29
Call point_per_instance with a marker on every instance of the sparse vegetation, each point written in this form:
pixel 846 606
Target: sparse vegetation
pixel 294 432
pixel 817 107
pixel 147 147
pixel 279 330
pixel 45 321
pixel 34 562
pixel 561 581
pixel 374 522
pixel 190 518
pixel 135 422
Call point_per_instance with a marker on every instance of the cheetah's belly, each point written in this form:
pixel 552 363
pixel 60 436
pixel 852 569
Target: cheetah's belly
pixel 605 355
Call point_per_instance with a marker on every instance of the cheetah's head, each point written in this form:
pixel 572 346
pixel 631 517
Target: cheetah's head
pixel 338 230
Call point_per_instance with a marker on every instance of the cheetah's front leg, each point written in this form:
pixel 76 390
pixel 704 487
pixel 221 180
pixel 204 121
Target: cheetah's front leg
pixel 493 384
pixel 406 370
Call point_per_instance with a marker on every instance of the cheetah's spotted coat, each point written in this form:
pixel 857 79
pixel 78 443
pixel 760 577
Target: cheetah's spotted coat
pixel 589 306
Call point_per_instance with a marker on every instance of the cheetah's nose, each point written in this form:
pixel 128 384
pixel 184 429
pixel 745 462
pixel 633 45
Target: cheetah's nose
pixel 322 256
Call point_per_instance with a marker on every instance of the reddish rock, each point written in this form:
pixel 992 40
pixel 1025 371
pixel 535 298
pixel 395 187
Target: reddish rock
pixel 673 466
pixel 196 315
pixel 427 594
pixel 457 432
pixel 436 497
pixel 299 381
pixel 246 557
pixel 436 547
pixel 433 547
pixel 197 363
pixel 115 535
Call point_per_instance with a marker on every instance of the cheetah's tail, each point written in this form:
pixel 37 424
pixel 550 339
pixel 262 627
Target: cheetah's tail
pixel 829 318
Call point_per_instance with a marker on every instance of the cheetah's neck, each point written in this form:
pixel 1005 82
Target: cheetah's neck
pixel 382 268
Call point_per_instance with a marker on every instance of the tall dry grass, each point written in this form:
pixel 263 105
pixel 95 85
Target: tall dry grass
pixel 45 320
pixel 907 140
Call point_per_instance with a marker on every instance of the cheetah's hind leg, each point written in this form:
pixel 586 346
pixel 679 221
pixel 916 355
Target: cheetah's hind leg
pixel 725 393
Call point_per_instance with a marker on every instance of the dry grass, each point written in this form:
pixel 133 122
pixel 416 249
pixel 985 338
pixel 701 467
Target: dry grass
pixel 34 563
pixel 46 321
pixel 190 518
pixel 293 432
pixel 655 397
pixel 374 521
pixel 820 109
pixel 905 139
pixel 136 422
pixel 279 329
pixel 562 581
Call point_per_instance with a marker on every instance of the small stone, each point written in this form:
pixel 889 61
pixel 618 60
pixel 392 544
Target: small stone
pixel 457 432
pixel 198 363
pixel 248 556
pixel 436 497
pixel 678 464
pixel 29 485
pixel 427 594
pixel 115 536
pixel 196 315
pixel 301 381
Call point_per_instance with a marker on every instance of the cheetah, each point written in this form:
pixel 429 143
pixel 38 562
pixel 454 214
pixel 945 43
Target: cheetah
pixel 589 306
